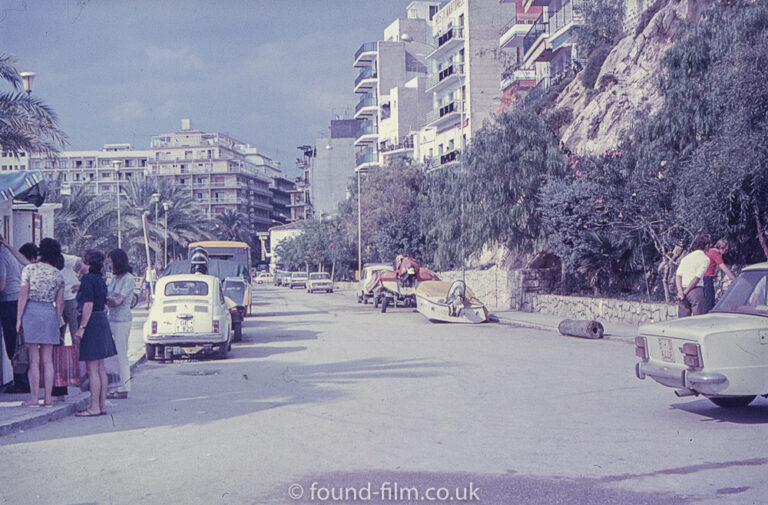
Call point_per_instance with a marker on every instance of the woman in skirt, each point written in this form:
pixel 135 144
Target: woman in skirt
pixel 96 343
pixel 42 286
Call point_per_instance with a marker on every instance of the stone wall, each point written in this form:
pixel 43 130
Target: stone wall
pixel 603 309
pixel 493 286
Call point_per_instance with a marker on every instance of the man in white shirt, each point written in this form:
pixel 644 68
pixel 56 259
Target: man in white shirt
pixel 689 278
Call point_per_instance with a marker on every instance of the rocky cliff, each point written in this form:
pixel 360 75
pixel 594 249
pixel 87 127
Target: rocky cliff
pixel 626 89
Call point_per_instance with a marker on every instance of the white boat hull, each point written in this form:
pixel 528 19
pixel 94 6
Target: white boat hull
pixel 434 310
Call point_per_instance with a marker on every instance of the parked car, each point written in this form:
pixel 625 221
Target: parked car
pixel 363 293
pixel 319 281
pixel 281 278
pixel 297 279
pixel 189 316
pixel 264 278
pixel 722 355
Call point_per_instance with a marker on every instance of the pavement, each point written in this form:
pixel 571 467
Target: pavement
pixel 15 417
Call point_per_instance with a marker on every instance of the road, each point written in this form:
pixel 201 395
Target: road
pixel 325 396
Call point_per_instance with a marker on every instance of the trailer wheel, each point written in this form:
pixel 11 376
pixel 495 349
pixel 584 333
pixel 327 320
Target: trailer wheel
pixel 375 302
pixel 384 303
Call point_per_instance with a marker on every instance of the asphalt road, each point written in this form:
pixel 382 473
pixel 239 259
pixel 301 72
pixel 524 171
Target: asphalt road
pixel 329 401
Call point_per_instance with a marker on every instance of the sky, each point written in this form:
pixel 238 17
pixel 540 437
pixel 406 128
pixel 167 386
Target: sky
pixel 271 73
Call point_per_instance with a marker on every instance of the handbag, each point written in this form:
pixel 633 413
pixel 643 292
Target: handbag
pixel 20 360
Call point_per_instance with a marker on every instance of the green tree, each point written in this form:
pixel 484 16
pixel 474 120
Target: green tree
pixel 26 123
pixel 231 225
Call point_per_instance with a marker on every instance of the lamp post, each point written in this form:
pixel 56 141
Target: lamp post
pixel 359 229
pixel 27 78
pixel 155 198
pixel 116 164
pixel 166 206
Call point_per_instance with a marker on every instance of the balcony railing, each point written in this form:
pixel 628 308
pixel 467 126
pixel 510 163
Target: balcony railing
pixel 366 157
pixel 564 16
pixel 450 157
pixel 368 100
pixel 366 73
pixel 367 129
pixel 539 27
pixel 406 143
pixel 436 114
pixel 457 32
pixel 365 48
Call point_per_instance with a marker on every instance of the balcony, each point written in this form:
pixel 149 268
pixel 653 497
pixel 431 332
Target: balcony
pixel 366 54
pixel 366 159
pixel 513 34
pixel 535 37
pixel 447 114
pixel 450 157
pixel 367 106
pixel 367 134
pixel 520 75
pixel 527 4
pixel 451 75
pixel 562 22
pixel 366 80
pixel 448 41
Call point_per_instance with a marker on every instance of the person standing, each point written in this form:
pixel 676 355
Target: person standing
pixel 10 285
pixel 119 294
pixel 715 255
pixel 688 279
pixel 96 342
pixel 41 301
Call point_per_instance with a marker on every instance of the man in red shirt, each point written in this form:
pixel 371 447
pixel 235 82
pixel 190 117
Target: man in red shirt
pixel 715 255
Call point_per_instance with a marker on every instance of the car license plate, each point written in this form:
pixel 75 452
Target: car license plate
pixel 184 326
pixel 665 346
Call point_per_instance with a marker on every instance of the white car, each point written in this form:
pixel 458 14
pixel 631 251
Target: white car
pixel 363 293
pixel 189 316
pixel 319 281
pixel 296 279
pixel 265 278
pixel 722 355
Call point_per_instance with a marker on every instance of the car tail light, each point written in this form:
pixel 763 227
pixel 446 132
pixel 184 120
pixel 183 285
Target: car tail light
pixel 641 347
pixel 216 326
pixel 692 354
pixel 154 327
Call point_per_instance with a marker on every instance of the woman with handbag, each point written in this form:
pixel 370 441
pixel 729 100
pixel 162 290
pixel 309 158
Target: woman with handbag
pixel 96 342
pixel 40 304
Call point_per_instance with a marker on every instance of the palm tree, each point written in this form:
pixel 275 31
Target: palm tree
pixel 186 222
pixel 84 220
pixel 232 225
pixel 26 123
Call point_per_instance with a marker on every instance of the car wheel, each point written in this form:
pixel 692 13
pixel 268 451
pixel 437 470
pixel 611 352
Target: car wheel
pixel 237 330
pixel 149 351
pixel 732 402
pixel 330 291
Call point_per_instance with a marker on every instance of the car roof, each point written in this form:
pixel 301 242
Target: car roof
pixel 187 277
pixel 757 266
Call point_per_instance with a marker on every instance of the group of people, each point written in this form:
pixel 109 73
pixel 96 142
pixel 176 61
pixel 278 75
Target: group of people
pixel 695 277
pixel 42 293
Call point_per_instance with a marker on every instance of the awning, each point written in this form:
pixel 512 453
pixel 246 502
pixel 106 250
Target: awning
pixel 27 186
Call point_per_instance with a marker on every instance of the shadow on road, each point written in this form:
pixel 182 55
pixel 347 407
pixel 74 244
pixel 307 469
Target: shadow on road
pixel 757 413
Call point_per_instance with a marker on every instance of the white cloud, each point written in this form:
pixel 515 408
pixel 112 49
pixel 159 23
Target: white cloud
pixel 179 62
pixel 129 111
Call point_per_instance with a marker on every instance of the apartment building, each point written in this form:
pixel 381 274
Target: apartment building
pixel 10 162
pixel 301 201
pixel 465 71
pixel 281 199
pixel 99 171
pixel 219 172
pixel 334 165
pixel 539 41
pixel 392 88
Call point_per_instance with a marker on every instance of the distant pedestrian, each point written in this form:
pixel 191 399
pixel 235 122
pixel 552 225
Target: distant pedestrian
pixel 96 343
pixel 119 294
pixel 715 255
pixel 41 300
pixel 688 279
pixel 150 278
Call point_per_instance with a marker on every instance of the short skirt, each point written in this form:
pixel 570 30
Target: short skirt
pixel 40 323
pixel 97 341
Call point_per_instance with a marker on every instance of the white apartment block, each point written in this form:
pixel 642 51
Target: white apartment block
pixel 465 71
pixel 219 172
pixel 10 162
pixel 98 171
pixel 392 88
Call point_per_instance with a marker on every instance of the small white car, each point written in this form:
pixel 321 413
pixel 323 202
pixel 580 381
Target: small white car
pixel 364 293
pixel 189 316
pixel 722 355
pixel 319 281
pixel 296 279
pixel 265 278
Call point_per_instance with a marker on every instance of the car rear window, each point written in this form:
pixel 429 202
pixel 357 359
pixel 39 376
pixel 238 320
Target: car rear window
pixel 320 276
pixel 186 288
pixel 747 294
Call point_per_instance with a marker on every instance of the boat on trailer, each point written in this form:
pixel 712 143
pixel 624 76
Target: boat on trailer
pixel 450 302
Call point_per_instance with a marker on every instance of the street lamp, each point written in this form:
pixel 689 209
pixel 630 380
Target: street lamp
pixel 166 206
pixel 116 164
pixel 27 78
pixel 155 198
pixel 359 229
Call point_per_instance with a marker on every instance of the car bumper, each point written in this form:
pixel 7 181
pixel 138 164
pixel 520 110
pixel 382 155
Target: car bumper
pixel 185 339
pixel 708 383
pixel 320 286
